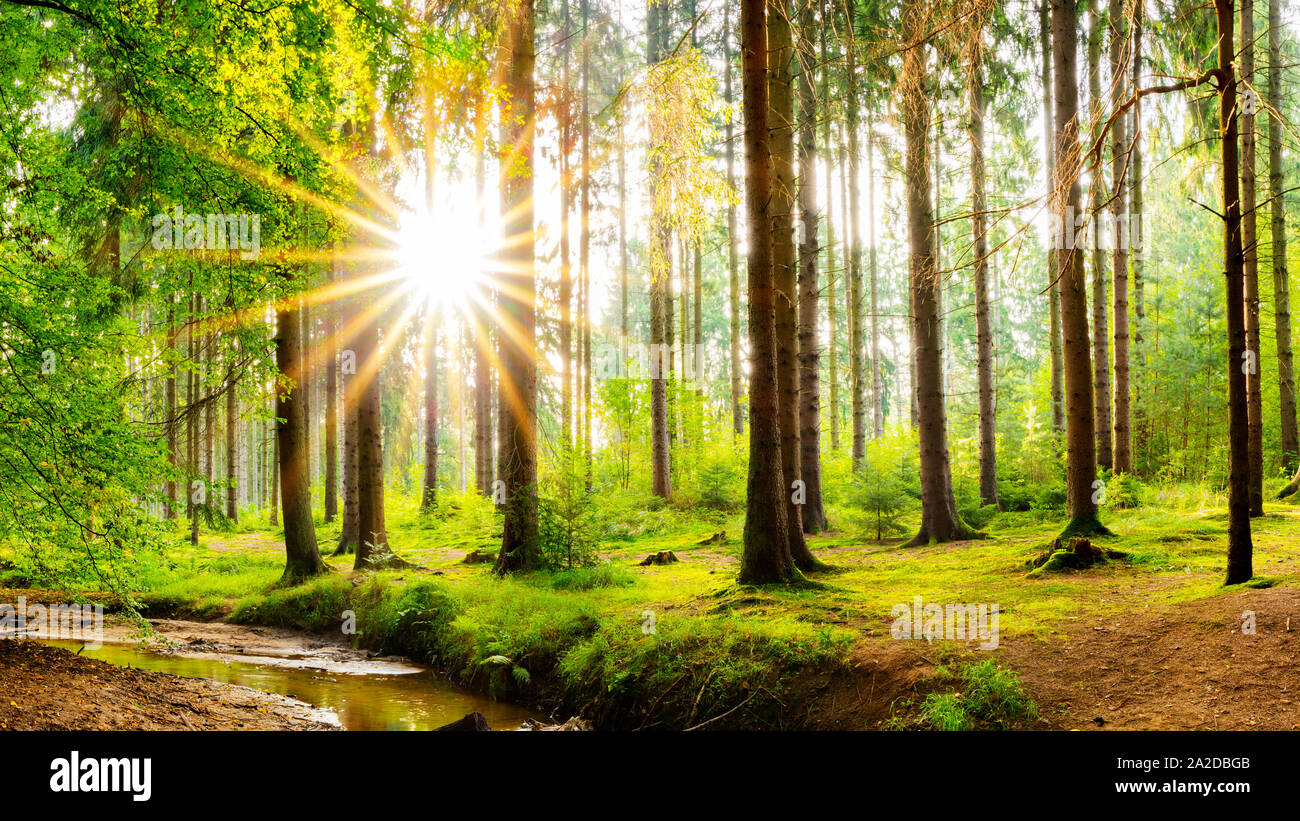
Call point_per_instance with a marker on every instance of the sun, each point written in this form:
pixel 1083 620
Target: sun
pixel 440 256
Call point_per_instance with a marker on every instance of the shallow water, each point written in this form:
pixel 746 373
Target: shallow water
pixel 417 699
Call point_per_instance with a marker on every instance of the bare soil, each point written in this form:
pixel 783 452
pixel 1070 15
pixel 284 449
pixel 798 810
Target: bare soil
pixel 48 688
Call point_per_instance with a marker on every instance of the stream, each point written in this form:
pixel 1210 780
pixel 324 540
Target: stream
pixel 364 693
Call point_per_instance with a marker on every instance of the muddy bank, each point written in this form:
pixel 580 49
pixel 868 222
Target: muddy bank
pixel 48 688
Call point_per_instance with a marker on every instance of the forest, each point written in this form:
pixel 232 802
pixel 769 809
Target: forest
pixel 648 364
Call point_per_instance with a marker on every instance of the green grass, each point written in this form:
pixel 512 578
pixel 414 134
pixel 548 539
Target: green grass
pixel 581 637
pixel 990 698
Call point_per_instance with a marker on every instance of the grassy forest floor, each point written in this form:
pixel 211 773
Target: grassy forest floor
pixel 1151 641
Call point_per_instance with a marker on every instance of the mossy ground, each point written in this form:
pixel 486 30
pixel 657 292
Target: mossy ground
pixel 676 645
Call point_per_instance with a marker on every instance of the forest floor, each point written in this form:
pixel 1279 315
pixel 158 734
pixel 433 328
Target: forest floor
pixel 1150 641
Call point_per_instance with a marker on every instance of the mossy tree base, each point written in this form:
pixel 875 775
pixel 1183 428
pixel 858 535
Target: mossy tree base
pixel 1086 525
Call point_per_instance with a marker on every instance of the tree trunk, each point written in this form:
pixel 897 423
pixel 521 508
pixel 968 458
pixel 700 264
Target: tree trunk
pixel 857 387
pixel 784 267
pixel 1123 443
pixel 809 394
pixel 1053 284
pixel 350 534
pixel 330 359
pixel 733 272
pixel 766 554
pixel 1239 543
pixel 979 223
pixel 302 558
pixel 1290 435
pixel 1067 200
pixel 660 307
pixel 939 519
pixel 1136 244
pixel 1100 343
pixel 1249 243
pixel 833 363
pixel 429 496
pixel 518 351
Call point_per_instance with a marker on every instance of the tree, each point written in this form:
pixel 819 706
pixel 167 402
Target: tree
pixel 939 519
pixel 660 297
pixel 1119 153
pixel 1239 543
pixel 1053 280
pixel 781 122
pixel 302 558
pixel 1249 242
pixel 979 228
pixel 1100 344
pixel 1067 200
pixel 517 293
pixel 857 387
pixel 766 554
pixel 809 396
pixel 1290 435
pixel 733 272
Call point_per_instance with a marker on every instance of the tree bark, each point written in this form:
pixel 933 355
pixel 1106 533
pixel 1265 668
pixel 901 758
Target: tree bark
pixel 1067 200
pixel 979 227
pixel 1123 450
pixel 766 554
pixel 813 514
pixel 1249 242
pixel 784 267
pixel 1100 342
pixel 733 267
pixel 1053 283
pixel 302 558
pixel 1239 542
pixel 939 519
pixel 1290 434
pixel 857 386
pixel 660 275
pixel 518 381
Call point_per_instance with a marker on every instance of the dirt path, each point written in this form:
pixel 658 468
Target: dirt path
pixel 47 688
pixel 1185 666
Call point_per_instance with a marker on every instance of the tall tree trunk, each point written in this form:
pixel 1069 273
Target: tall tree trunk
pixel 1123 443
pixel 660 274
pixel 979 227
pixel 1053 284
pixel 1239 543
pixel 809 393
pixel 565 127
pixel 1067 201
pixel 331 404
pixel 169 510
pixel 584 247
pixel 780 43
pixel 302 558
pixel 1100 341
pixel 518 351
pixel 429 495
pixel 939 519
pixel 1137 242
pixel 833 363
pixel 873 271
pixel 857 384
pixel 350 534
pixel 1249 242
pixel 733 268
pixel 766 554
pixel 1290 435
